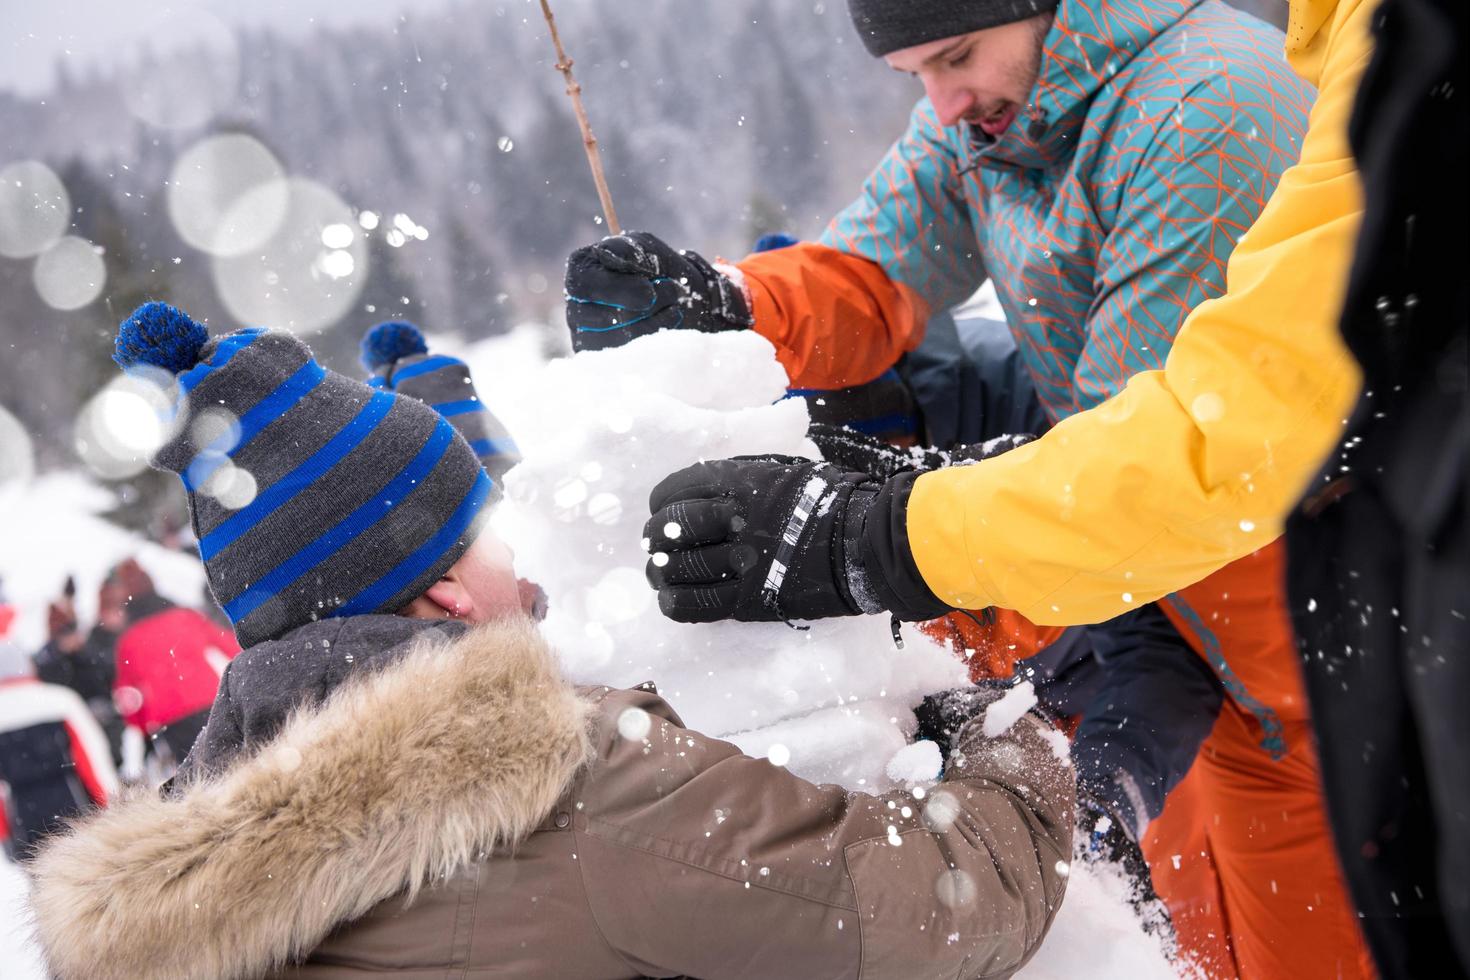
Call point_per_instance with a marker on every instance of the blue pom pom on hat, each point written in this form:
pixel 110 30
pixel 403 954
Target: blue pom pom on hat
pixel 774 241
pixel 391 341
pixel 161 336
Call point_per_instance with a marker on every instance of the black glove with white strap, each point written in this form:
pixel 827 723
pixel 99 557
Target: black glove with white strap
pixel 775 538
pixel 858 451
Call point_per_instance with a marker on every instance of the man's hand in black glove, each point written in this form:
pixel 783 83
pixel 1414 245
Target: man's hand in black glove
pixel 854 450
pixel 780 538
pixel 943 714
pixel 633 284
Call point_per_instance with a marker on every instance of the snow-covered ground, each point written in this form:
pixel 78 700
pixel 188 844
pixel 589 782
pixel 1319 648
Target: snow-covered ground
pixel 18 958
pixel 598 431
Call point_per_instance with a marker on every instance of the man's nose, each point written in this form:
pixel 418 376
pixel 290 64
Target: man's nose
pixel 950 102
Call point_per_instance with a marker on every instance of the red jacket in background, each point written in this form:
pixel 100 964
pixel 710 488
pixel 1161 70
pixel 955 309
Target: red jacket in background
pixel 169 665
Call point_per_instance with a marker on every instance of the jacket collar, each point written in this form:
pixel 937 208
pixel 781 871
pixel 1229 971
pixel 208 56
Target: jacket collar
pixel 271 679
pixel 1090 41
pixel 406 773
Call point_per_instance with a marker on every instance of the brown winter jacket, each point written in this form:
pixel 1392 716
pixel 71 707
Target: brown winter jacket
pixel 462 811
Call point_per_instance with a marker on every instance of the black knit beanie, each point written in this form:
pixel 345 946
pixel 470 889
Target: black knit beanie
pixel 891 25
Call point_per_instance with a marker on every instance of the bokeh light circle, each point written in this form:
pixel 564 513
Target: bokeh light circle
pixel 69 274
pixel 205 190
pixel 35 209
pixel 232 486
pixel 294 280
pixel 215 428
pixel 125 423
pixel 195 70
pixel 619 596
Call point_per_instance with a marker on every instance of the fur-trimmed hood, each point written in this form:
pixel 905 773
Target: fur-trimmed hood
pixel 404 774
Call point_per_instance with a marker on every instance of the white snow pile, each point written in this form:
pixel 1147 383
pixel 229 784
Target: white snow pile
pixel 598 431
pixel 832 703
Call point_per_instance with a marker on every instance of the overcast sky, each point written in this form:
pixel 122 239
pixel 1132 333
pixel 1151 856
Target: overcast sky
pixel 35 34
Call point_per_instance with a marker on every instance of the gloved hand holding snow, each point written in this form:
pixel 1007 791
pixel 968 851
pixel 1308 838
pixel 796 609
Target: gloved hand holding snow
pixel 761 539
pixel 941 715
pixel 858 451
pixel 633 284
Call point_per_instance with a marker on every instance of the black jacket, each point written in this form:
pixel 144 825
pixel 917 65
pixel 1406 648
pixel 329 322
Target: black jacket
pixel 1379 555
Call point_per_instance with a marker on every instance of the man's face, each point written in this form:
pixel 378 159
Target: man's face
pixel 983 78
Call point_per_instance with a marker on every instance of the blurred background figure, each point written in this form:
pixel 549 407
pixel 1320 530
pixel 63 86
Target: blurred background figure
pixel 7 613
pixel 82 660
pixel 147 669
pixel 168 663
pixel 54 758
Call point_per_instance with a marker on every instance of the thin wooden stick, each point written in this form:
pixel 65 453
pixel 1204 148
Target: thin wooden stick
pixel 589 142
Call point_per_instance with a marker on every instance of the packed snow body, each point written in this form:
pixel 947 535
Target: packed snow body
pixel 611 425
pixel 832 702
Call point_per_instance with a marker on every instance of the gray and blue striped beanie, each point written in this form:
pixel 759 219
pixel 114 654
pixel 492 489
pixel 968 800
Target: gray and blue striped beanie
pixel 398 358
pixel 312 494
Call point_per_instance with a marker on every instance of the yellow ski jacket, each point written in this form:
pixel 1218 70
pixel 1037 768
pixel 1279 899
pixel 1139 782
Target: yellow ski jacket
pixel 1195 465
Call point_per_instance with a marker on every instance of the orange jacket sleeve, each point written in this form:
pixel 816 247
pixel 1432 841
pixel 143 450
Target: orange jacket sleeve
pixel 835 319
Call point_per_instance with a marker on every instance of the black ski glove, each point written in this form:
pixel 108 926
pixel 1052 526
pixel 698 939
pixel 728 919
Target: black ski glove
pixel 633 284
pixel 943 714
pixel 853 450
pixel 780 538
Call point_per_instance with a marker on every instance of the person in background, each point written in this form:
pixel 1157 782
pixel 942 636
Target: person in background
pixel 83 660
pixel 397 358
pixel 168 663
pixel 8 612
pixel 55 763
pixel 396 747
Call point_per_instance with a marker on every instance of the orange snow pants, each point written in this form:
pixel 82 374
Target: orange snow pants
pixel 1242 854
pixel 1243 857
